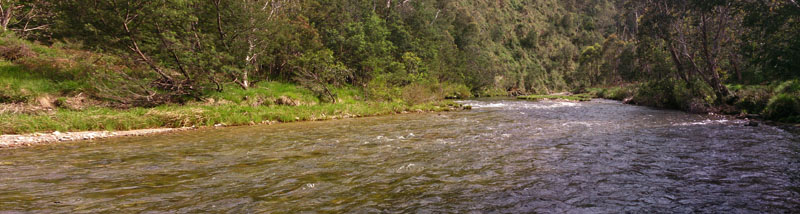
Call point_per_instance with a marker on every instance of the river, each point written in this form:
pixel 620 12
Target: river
pixel 504 156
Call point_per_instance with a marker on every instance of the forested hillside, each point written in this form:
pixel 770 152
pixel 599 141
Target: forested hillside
pixel 187 46
pixel 728 56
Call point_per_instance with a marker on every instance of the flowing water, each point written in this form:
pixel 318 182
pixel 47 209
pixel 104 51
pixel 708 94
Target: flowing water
pixel 504 156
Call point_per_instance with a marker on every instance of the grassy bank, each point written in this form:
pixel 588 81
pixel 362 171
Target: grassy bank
pixel 266 102
pixel 56 88
pixel 174 116
pixel 42 106
pixel 778 101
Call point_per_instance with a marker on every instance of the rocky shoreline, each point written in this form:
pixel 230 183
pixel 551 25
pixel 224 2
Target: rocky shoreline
pixel 11 141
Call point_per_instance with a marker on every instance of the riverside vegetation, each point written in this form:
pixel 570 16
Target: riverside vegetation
pixel 118 64
pixel 56 89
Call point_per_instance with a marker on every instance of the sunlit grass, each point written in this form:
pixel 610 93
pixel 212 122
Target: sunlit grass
pixel 174 116
pixel 19 85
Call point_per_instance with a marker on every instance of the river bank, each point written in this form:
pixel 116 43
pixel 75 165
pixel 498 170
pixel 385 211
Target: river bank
pixel 629 95
pixel 269 115
pixel 778 102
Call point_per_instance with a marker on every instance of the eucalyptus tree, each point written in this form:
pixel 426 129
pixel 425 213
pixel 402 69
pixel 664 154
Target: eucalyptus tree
pixel 697 34
pixel 249 31
pixel 25 17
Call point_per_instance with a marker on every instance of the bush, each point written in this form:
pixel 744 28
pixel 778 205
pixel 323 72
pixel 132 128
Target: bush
pixel 456 91
pixel 791 86
pixel 784 107
pixel 657 94
pixel 417 93
pixel 492 92
pixel 381 90
pixel 752 99
pixel 618 93
pixel 15 51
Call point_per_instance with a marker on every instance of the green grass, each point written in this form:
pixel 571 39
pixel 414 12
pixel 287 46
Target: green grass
pixel 234 106
pixel 37 70
pixel 236 94
pixel 574 97
pixel 19 85
pixel 174 116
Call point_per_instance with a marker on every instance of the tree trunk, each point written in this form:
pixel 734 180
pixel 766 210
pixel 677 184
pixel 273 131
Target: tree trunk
pixel 6 14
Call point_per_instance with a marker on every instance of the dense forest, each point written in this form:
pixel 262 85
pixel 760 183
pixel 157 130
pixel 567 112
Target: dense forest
pixel 697 55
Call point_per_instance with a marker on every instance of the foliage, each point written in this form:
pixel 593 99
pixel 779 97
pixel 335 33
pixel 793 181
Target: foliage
pixel 785 104
pixel 615 93
pixel 318 71
pixel 784 107
pixel 752 98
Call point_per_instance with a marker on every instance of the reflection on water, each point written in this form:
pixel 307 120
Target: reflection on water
pixel 503 156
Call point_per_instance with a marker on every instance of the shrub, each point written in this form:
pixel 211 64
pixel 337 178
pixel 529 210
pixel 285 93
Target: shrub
pixel 618 93
pixel 417 93
pixel 657 94
pixel 784 107
pixel 752 98
pixel 492 92
pixel 15 51
pixel 381 90
pixel 791 86
pixel 456 91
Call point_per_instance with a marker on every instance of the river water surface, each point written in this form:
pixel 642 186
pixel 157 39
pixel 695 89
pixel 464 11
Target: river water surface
pixel 504 156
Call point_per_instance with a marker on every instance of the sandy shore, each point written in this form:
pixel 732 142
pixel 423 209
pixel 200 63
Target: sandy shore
pixel 9 141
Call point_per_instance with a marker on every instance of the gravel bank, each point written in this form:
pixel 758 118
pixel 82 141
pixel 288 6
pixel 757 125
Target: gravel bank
pixel 9 141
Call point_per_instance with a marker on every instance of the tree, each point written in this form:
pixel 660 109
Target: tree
pixel 696 34
pixel 161 34
pixel 245 31
pixel 319 70
pixel 25 17
pixel 773 35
